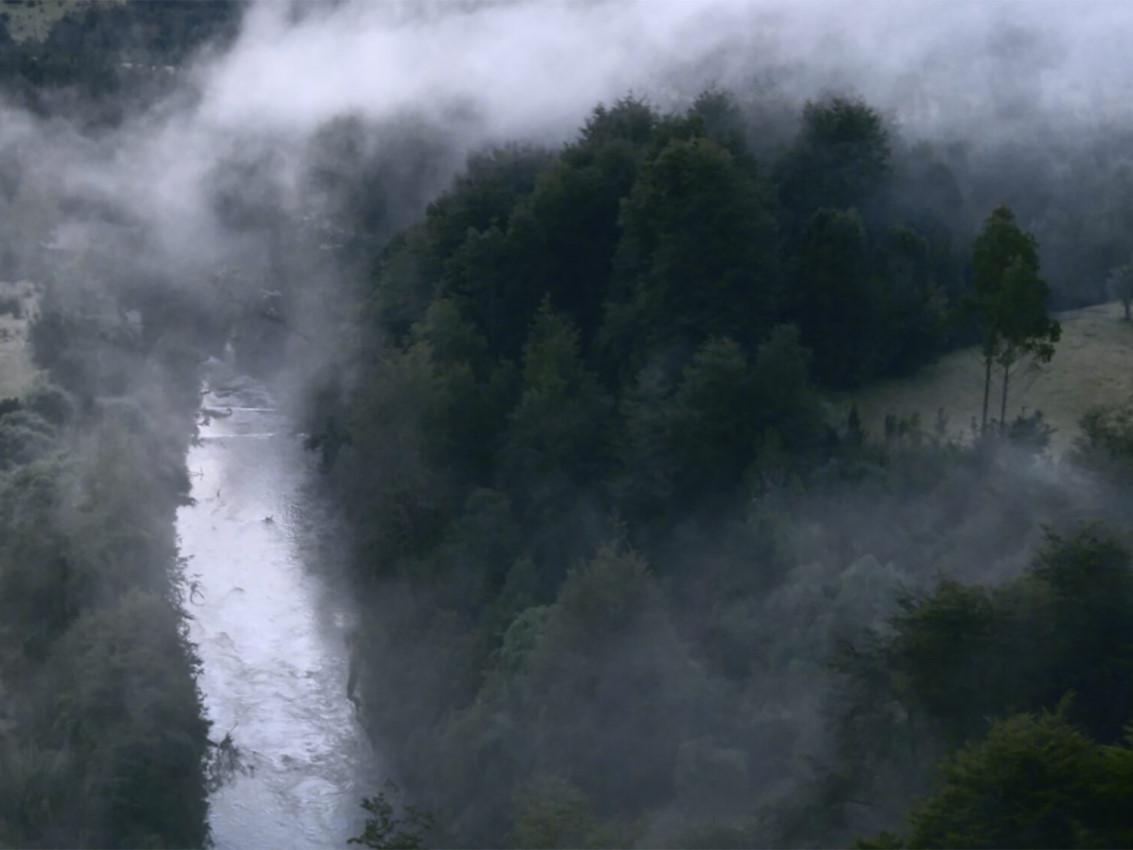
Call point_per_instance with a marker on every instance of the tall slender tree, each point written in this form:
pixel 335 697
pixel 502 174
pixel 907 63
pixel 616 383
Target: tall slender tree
pixel 1010 301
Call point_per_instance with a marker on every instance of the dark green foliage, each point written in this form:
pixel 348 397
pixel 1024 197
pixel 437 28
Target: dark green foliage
pixel 706 434
pixel 492 273
pixel 653 233
pixel 103 738
pixel 1010 302
pixel 554 438
pixel 485 194
pixel 630 121
pixel 584 447
pixel 93 634
pixel 712 423
pixel 721 119
pixel 386 829
pixel 1087 636
pixel 100 59
pixel 604 684
pixel 614 355
pixel 132 717
pixel 576 208
pixel 913 304
pixel 866 305
pixel 401 491
pixel 835 301
pixel 1025 327
pixel 868 300
pixel 1106 442
pixel 724 411
pixel 1000 244
pixel 1031 432
pixel 1034 781
pixel 478 555
pixel 950 664
pixel 697 252
pixel 612 344
pixel 840 158
pixel 469 249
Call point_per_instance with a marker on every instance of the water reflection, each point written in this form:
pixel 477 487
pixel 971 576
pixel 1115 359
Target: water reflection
pixel 271 631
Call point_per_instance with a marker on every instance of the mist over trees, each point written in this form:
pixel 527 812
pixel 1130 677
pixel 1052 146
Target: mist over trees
pixel 630 569
pixel 100 62
pixel 102 736
pixel 629 562
pixel 103 743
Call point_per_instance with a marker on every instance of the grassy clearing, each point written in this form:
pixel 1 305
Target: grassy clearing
pixel 16 369
pixel 1093 365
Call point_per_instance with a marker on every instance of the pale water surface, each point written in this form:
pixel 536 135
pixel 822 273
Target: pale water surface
pixel 271 630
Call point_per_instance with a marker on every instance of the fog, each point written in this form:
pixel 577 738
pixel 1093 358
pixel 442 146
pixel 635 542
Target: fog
pixel 535 67
pixel 240 182
pixel 484 73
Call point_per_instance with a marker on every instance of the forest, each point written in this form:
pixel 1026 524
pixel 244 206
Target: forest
pixel 631 569
pixel 670 597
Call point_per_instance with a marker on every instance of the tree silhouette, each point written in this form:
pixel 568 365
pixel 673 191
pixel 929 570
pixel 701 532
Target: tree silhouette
pixel 1010 300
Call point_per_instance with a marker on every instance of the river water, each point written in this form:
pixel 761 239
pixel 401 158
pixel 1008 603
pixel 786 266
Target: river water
pixel 271 626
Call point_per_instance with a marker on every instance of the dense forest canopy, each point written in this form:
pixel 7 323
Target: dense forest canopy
pixel 599 466
pixel 574 347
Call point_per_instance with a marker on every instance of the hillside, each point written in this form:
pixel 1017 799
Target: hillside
pixel 1091 367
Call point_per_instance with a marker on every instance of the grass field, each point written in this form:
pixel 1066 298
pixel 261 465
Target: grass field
pixel 1093 365
pixel 16 369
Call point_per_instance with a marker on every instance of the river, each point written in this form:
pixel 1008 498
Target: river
pixel 271 626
